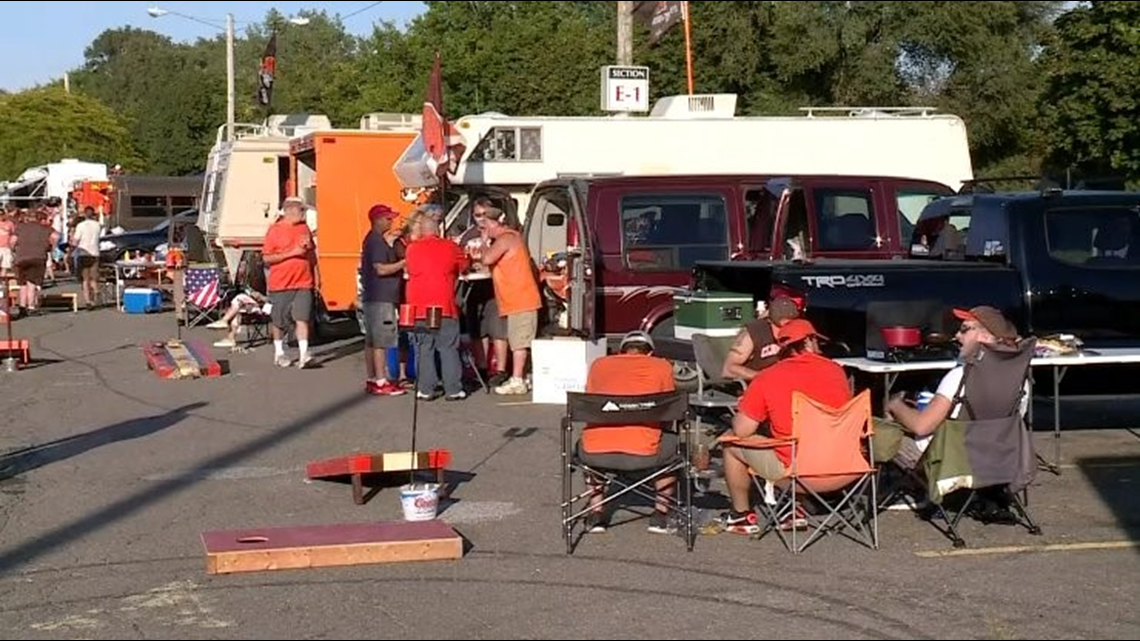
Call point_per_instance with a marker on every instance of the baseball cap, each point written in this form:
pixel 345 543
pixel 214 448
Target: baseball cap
pixel 293 200
pixel 636 337
pixel 782 309
pixel 989 317
pixel 381 211
pixel 796 330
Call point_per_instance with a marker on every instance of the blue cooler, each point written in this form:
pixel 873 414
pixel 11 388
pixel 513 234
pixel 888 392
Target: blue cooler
pixel 141 300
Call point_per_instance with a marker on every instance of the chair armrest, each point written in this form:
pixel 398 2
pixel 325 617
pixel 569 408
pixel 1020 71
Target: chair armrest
pixel 754 442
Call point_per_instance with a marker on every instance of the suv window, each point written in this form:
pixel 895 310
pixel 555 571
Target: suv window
pixel 1094 236
pixel 910 203
pixel 670 232
pixel 845 219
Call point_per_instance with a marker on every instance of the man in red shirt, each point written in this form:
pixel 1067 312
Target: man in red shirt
pixel 289 251
pixel 768 399
pixel 433 265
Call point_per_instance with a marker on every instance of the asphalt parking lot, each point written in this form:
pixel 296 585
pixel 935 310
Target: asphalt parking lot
pixel 112 476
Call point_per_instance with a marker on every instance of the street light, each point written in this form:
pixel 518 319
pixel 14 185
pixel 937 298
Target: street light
pixel 156 12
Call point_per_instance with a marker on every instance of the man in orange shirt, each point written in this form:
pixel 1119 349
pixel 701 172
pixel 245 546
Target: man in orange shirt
pixel 516 292
pixel 633 371
pixel 289 251
pixel 768 399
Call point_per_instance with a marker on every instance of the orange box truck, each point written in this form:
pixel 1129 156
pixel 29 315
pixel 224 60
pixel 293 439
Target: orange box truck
pixel 340 174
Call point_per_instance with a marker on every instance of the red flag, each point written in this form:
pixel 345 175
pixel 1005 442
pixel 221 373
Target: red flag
pixel 441 140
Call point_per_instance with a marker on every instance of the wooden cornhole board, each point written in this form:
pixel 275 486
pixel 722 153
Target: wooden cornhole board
pixel 176 359
pixel 313 546
pixel 356 466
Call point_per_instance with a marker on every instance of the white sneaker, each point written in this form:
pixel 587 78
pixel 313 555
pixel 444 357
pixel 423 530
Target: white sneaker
pixel 225 342
pixel 218 325
pixel 513 386
pixel 304 361
pixel 283 361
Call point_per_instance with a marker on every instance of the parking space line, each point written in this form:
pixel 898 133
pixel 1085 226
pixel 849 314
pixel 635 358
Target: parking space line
pixel 1020 549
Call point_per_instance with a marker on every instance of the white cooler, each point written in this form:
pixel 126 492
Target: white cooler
pixel 560 365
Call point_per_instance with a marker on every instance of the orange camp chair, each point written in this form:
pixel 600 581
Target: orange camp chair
pixel 829 466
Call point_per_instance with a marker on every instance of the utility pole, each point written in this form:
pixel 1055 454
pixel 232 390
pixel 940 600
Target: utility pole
pixel 625 33
pixel 229 77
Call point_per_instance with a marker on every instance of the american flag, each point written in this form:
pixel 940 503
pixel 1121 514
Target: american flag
pixel 202 286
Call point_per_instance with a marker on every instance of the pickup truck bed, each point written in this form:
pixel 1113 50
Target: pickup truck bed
pixel 838 292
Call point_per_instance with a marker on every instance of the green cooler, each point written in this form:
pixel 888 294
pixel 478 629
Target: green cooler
pixel 711 313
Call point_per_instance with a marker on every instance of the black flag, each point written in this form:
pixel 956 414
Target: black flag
pixel 660 17
pixel 267 72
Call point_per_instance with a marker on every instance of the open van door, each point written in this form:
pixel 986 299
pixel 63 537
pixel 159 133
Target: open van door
pixel 560 244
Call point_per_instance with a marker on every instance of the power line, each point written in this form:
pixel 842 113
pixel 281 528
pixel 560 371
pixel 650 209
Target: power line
pixel 360 11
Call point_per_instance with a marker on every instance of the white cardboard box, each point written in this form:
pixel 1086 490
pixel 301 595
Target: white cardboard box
pixel 560 365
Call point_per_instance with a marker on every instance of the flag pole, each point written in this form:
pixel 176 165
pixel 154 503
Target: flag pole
pixel 688 45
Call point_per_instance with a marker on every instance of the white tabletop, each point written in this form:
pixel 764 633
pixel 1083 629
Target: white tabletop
pixel 887 367
pixel 1118 355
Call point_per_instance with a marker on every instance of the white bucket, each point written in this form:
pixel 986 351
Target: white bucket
pixel 420 501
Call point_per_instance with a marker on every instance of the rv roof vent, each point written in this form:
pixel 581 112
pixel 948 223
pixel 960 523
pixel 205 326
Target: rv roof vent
pixel 700 106
pixel 382 121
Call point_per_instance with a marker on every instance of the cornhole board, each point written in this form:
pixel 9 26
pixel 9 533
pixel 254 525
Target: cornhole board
pixel 356 466
pixel 313 546
pixel 174 359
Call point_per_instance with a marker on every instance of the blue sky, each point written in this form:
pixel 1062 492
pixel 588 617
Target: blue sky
pixel 41 40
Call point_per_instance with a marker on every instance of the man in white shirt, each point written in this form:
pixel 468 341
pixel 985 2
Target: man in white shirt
pixel 981 326
pixel 85 240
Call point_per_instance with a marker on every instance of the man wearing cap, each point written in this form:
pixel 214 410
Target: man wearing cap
pixel 981 325
pixel 288 250
pixel 755 347
pixel 382 280
pixel 516 291
pixel 633 371
pixel 768 399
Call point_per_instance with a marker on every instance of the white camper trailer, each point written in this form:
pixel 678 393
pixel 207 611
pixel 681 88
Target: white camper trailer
pixel 245 182
pixel 698 134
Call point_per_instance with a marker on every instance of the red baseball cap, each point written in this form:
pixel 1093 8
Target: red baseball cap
pixel 380 211
pixel 796 330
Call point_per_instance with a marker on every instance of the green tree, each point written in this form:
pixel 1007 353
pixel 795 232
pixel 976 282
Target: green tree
pixel 173 96
pixel 1091 107
pixel 312 61
pixel 43 125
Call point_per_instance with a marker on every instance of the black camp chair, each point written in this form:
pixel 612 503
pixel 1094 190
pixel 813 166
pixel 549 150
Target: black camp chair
pixel 669 410
pixel 987 450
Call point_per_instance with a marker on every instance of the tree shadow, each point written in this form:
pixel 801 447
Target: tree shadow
pixel 37 456
pixel 1114 479
pixel 27 551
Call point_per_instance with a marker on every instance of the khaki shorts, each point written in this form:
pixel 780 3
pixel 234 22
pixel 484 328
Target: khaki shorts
pixel 521 329
pixel 764 463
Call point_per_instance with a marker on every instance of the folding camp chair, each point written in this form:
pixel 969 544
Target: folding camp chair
pixel 670 411
pixel 989 447
pixel 828 466
pixel 205 294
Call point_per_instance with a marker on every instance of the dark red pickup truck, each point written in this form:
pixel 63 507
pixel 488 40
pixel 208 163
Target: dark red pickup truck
pixel 633 241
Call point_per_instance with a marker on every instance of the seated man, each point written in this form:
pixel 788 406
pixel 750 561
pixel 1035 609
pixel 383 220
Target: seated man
pixel 904 438
pixel 247 302
pixel 755 347
pixel 768 399
pixel 633 371
pixel 980 326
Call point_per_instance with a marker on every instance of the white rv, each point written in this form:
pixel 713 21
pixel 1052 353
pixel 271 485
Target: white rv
pixel 696 135
pixel 245 182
